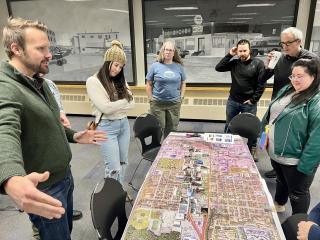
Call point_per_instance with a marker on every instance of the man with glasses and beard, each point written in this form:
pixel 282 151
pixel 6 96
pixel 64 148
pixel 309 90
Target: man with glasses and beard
pixel 35 154
pixel 247 85
pixel 291 41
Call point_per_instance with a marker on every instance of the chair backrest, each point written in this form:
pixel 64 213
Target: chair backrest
pixel 290 225
pixel 146 126
pixel 246 125
pixel 107 205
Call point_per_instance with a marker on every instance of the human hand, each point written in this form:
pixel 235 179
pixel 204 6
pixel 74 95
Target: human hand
pixel 64 120
pixel 22 190
pixel 303 229
pixel 248 102
pixel 90 137
pixel 269 57
pixel 233 51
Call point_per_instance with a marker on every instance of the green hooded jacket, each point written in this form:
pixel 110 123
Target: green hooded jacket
pixel 297 132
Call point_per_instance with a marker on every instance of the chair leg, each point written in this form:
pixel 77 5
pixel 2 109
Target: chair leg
pixel 134 173
pixel 129 199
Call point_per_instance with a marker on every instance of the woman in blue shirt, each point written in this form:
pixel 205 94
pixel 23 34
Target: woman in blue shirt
pixel 166 85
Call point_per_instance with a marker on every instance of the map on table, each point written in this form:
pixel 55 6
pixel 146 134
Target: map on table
pixel 198 189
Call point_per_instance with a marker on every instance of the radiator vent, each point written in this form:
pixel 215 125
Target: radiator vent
pixel 263 103
pixel 140 99
pixel 186 101
pixel 145 100
pixel 210 101
pixel 73 97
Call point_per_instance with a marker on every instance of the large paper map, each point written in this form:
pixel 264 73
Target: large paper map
pixel 203 190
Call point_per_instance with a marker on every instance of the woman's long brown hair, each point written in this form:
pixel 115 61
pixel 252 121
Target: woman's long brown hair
pixel 115 86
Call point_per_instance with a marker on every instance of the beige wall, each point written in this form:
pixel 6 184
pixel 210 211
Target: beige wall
pixel 138 36
pixel 199 103
pixel 303 15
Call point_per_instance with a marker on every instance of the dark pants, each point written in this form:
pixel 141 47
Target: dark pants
pixel 233 108
pixel 292 184
pixel 57 229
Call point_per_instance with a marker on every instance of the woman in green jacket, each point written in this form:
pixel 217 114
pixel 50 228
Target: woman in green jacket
pixel 294 135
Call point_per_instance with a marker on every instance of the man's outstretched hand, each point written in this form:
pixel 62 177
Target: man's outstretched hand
pixel 23 191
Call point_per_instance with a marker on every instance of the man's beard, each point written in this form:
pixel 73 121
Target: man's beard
pixel 244 58
pixel 34 67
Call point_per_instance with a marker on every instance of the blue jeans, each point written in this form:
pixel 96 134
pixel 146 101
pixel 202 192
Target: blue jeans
pixel 233 108
pixel 57 229
pixel 115 148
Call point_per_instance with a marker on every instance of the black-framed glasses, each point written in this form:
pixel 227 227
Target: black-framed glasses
pixel 289 43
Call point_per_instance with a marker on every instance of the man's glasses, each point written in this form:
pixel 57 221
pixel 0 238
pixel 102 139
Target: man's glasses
pixel 289 43
pixel 299 78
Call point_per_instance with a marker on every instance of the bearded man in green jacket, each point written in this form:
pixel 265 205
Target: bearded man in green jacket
pixel 35 154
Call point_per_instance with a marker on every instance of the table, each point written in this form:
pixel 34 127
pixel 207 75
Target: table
pixel 201 187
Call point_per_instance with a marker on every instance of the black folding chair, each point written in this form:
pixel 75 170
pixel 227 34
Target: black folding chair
pixel 107 205
pixel 290 225
pixel 146 126
pixel 246 125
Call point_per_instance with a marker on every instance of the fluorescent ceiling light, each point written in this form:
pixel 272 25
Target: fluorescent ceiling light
pixel 235 22
pixel 287 17
pixel 78 0
pixel 244 14
pixel 180 8
pixel 240 18
pixel 151 21
pixel 187 20
pixel 186 15
pixel 281 20
pixel 156 24
pixel 256 5
pixel 115 10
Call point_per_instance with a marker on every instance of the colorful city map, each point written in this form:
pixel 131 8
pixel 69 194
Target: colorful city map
pixel 203 189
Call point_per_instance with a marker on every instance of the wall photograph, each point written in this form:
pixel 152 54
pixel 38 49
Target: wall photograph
pixel 79 33
pixel 205 30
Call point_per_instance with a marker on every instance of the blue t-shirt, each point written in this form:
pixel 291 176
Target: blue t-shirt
pixel 166 80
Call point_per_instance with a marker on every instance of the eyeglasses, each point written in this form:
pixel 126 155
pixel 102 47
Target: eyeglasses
pixel 169 50
pixel 299 78
pixel 289 43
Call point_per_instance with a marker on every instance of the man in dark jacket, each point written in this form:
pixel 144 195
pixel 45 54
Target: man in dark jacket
pixel 291 41
pixel 247 85
pixel 35 154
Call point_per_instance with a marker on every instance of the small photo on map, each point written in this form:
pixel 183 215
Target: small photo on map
pixel 184 200
pixel 183 208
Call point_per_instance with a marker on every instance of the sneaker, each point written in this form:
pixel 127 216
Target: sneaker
pixel 279 208
pixel 129 198
pixel 35 233
pixel 254 154
pixel 76 215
